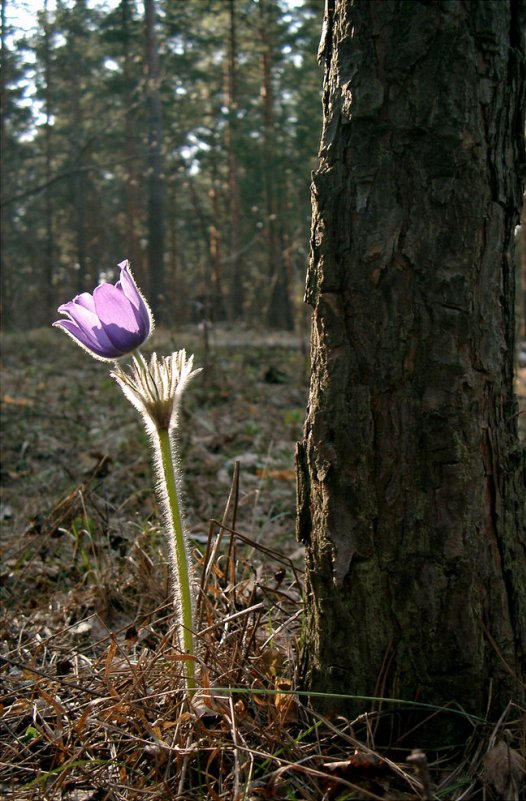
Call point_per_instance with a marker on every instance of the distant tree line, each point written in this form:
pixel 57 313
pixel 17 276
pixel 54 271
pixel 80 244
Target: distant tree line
pixel 178 135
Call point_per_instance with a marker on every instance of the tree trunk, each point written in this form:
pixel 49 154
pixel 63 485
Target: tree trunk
pixel 49 250
pixel 279 311
pixel 133 250
pixel 210 287
pixel 155 167
pixel 521 310
pixel 216 310
pixel 411 496
pixel 5 284
pixel 79 156
pixel 235 271
pixel 173 290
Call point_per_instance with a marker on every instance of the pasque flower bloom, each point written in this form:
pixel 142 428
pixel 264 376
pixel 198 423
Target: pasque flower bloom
pixel 112 322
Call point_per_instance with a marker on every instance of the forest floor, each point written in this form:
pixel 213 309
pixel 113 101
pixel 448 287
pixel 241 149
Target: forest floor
pixel 90 701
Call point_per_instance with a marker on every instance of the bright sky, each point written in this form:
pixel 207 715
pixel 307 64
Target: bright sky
pixel 21 14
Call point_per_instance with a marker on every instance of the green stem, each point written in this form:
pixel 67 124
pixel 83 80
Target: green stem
pixel 179 552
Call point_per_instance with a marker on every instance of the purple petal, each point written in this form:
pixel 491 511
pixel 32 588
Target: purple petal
pixel 89 329
pixel 129 287
pixel 118 317
pixel 113 307
pixel 87 340
pixel 88 323
pixel 86 300
pixel 112 322
pixel 80 313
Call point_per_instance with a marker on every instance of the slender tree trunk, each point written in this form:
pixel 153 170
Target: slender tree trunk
pixel 410 475
pixel 279 312
pixel 217 303
pixel 133 250
pixel 5 293
pixel 78 152
pixel 522 279
pixel 154 166
pixel 49 251
pixel 235 271
pixel 204 311
pixel 173 290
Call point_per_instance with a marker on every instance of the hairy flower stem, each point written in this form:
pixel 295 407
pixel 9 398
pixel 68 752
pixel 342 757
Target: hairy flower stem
pixel 155 389
pixel 178 549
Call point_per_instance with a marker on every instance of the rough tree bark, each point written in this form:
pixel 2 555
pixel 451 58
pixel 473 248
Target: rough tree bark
pixel 411 495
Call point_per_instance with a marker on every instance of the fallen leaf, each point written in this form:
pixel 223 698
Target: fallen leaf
pixel 504 770
pixel 285 702
pixel 10 401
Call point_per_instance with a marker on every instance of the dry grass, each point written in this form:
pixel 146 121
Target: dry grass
pixel 93 712
pixel 91 700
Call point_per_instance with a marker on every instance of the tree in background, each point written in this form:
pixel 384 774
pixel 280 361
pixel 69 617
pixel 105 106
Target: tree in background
pixel 124 41
pixel 231 81
pixel 49 248
pixel 279 312
pixel 18 165
pixel 154 161
pixel 211 206
pixel 75 65
pixel 411 475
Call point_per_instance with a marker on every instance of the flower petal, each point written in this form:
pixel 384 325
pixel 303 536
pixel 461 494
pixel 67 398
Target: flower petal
pixel 86 300
pixel 90 325
pixel 112 306
pixel 112 322
pixel 88 342
pixel 79 313
pixel 118 317
pixel 92 329
pixel 129 287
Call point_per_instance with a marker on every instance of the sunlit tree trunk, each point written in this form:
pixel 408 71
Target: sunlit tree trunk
pixel 155 178
pixel 411 477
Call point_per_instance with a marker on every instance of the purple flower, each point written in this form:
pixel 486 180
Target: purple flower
pixel 113 321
